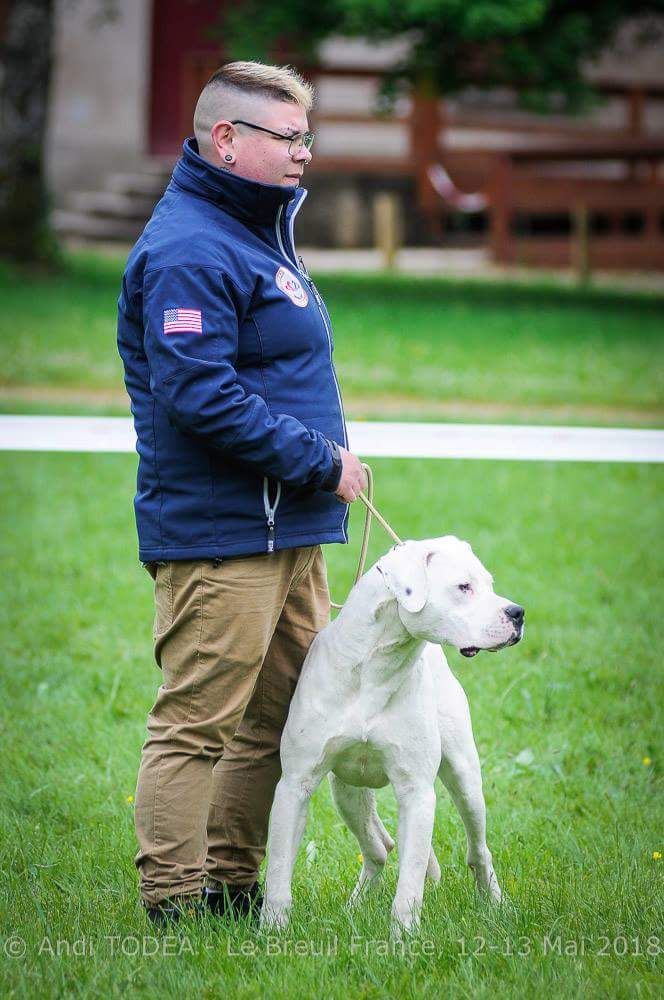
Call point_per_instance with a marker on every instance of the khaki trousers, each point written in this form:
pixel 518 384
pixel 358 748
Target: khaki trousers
pixel 230 639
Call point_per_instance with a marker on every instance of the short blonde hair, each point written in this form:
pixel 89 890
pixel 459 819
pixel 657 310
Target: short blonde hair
pixel 235 81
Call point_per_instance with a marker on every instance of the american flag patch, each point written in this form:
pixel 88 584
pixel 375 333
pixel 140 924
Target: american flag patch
pixel 183 321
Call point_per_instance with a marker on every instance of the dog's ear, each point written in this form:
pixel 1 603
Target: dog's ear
pixel 404 570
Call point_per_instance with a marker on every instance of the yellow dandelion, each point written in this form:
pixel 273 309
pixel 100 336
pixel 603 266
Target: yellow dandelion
pixel 657 855
pixel 360 859
pixel 647 761
pixel 129 799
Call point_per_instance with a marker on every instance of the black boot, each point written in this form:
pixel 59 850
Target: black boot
pixel 235 900
pixel 170 911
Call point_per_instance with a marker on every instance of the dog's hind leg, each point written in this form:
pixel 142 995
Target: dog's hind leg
pixel 357 807
pixel 287 822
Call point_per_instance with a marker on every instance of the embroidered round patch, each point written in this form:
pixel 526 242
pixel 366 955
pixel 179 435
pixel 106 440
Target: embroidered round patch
pixel 290 286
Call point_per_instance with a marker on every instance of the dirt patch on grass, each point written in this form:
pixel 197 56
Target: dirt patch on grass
pixel 393 407
pixel 381 407
pixel 64 395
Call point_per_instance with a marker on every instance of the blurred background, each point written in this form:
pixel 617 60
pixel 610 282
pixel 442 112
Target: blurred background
pixel 527 134
pixel 508 157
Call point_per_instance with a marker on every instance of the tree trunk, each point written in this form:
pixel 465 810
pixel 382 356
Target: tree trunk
pixel 26 46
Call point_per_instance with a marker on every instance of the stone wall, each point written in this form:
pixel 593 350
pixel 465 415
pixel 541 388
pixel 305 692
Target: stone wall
pixel 99 103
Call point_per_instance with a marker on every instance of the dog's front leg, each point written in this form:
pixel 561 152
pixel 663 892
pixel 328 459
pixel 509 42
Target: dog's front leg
pixel 417 806
pixel 461 775
pixel 287 822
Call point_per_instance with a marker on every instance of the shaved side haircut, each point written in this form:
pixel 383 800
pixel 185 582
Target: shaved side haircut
pixel 234 88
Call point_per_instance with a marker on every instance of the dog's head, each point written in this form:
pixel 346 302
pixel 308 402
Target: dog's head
pixel 445 595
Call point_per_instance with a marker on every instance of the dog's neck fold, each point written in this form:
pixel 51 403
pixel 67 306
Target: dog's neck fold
pixel 377 646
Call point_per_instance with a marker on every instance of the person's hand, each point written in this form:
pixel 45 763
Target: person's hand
pixel 353 477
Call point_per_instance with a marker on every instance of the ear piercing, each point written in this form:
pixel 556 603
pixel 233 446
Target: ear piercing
pixel 228 158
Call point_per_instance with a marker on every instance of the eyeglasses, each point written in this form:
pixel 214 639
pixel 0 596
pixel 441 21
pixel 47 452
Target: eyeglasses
pixel 295 142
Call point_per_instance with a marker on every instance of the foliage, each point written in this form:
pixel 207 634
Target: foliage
pixel 539 46
pixel 25 233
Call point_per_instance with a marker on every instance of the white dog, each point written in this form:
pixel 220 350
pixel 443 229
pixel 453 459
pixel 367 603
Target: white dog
pixel 377 703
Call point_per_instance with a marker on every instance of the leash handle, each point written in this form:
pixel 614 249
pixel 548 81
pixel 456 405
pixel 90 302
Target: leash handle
pixel 369 513
pixel 372 510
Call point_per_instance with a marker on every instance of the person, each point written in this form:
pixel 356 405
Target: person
pixel 244 472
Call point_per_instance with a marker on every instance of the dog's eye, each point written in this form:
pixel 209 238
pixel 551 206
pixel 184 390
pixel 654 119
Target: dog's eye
pixel 465 587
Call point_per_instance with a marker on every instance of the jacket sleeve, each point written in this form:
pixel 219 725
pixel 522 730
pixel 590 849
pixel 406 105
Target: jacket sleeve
pixel 190 319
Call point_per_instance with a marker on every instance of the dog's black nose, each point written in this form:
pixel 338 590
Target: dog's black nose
pixel 515 612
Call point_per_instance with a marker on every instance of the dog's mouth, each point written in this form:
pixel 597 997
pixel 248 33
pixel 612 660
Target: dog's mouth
pixel 469 651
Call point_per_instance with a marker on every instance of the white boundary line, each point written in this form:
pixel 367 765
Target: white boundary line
pixel 373 439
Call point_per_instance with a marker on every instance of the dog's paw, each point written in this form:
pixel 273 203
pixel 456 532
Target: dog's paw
pixel 274 918
pixel 486 883
pixel 357 896
pixel 404 923
pixel 494 891
pixel 433 868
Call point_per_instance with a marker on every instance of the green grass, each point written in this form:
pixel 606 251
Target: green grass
pixel 563 722
pixel 436 340
pixel 405 347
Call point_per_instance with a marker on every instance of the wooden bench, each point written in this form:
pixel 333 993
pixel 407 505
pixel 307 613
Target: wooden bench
pixel 529 182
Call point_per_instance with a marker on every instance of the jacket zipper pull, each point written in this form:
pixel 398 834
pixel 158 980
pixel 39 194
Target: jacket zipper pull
pixel 270 510
pixel 315 291
pixel 304 271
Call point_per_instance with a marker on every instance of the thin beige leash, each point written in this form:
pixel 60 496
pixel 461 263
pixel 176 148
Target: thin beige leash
pixel 370 512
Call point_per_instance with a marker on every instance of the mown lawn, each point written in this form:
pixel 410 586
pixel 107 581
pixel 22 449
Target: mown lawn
pixel 568 726
pixel 405 347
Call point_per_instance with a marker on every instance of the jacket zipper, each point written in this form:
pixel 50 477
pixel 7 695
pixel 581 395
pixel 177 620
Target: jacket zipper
pixel 301 269
pixel 270 510
pixel 319 302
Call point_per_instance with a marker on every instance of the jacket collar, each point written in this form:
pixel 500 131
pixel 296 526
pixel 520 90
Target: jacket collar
pixel 248 201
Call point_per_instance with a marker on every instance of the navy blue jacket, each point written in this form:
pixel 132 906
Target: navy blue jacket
pixel 227 349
